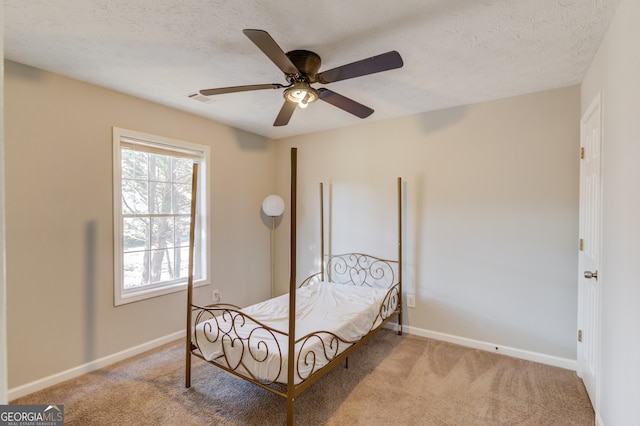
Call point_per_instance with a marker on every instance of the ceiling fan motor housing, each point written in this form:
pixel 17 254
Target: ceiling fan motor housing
pixel 307 62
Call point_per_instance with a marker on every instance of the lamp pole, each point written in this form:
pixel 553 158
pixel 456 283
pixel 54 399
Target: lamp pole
pixel 273 254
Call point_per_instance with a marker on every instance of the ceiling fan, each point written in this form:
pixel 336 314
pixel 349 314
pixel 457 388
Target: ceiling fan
pixel 300 68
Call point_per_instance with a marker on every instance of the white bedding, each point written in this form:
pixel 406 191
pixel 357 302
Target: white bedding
pixel 346 310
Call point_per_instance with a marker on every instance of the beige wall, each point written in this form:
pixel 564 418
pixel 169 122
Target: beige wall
pixel 59 188
pixel 615 72
pixel 491 194
pixel 491 213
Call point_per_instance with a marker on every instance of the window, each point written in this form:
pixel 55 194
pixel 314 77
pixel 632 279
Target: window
pixel 152 206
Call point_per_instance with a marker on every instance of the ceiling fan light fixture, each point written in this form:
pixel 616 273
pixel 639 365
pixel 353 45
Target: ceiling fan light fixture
pixel 301 93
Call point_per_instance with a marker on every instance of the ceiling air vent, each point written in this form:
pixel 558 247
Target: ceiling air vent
pixel 196 96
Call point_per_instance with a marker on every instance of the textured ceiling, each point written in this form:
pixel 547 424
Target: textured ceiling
pixel 455 52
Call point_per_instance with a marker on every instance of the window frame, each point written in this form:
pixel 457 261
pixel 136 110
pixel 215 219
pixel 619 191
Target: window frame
pixel 120 136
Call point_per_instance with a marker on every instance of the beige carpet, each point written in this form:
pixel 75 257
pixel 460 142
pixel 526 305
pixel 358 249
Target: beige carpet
pixel 392 380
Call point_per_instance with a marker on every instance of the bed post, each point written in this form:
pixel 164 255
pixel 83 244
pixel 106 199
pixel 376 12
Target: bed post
pixel 192 227
pixel 322 232
pixel 292 290
pixel 400 253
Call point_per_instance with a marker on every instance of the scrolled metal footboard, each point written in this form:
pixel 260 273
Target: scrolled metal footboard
pixel 239 340
pixel 316 350
pixel 242 340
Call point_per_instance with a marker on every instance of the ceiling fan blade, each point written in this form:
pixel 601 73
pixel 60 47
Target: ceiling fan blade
pixel 233 89
pixel 345 103
pixel 384 62
pixel 269 47
pixel 285 114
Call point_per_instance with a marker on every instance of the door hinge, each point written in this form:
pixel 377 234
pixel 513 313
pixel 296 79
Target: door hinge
pixel 581 153
pixel 580 336
pixel 581 244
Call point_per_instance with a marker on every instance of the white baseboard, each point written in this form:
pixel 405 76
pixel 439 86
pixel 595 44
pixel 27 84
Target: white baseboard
pixel 46 382
pixel 569 364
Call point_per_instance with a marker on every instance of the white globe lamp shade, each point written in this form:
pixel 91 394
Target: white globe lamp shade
pixel 273 205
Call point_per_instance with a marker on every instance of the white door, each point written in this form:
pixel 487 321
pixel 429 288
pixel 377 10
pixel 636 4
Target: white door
pixel 590 279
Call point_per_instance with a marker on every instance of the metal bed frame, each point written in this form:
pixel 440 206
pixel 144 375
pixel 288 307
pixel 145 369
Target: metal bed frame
pixel 350 268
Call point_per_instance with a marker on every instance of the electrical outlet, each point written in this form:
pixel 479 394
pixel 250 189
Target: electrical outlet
pixel 411 300
pixel 216 296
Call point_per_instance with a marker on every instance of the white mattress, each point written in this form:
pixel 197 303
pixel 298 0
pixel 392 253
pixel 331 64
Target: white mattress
pixel 346 310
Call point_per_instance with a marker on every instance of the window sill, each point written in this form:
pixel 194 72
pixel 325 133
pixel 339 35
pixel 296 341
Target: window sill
pixel 150 293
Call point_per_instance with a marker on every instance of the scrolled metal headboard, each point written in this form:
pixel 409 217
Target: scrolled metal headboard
pixel 362 270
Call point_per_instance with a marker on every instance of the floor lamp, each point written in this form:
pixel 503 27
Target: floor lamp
pixel 273 206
